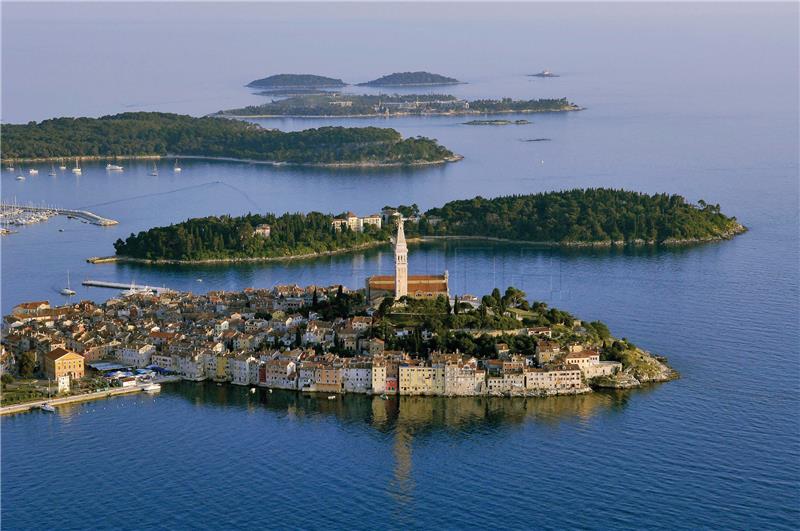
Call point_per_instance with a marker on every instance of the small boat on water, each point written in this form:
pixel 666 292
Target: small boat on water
pixel 20 177
pixel 77 169
pixel 61 165
pixel 331 397
pixel 177 168
pixel 67 291
pixel 152 388
pixel 114 167
pixel 33 171
pixel 384 397
pixel 199 280
pixel 252 390
pixel 47 407
pixel 154 172
pixel 10 168
pixel 52 172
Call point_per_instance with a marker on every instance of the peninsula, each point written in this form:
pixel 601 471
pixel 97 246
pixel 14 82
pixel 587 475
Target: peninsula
pixel 574 218
pixel 330 340
pixel 350 105
pixel 411 79
pixel 148 134
pixel 296 81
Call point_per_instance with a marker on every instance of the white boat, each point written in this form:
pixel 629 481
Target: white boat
pixel 152 388
pixel 67 291
pixel 154 173
pixel 77 169
pixel 10 168
pixel 33 171
pixel 20 177
pixel 52 172
pixel 252 390
pixel 331 397
pixel 47 407
pixel 114 167
pixel 177 168
pixel 61 165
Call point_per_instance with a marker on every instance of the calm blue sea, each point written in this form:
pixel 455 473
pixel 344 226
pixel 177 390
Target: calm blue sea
pixel 695 99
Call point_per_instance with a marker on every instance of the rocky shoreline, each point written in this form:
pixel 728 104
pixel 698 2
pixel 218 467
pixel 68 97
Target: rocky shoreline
pixel 739 229
pixel 445 160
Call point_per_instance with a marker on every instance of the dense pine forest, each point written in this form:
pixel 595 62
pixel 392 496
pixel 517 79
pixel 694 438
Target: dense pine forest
pixel 581 215
pixel 235 237
pixel 150 133
pixel 589 216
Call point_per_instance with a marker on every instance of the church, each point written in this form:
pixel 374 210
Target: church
pixel 401 284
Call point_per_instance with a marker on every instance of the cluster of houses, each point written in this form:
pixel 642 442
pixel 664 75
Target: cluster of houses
pixel 258 337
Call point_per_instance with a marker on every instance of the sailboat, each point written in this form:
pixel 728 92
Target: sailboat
pixel 154 173
pixel 33 171
pixel 77 169
pixel 67 291
pixel 177 168
pixel 52 172
pixel 61 165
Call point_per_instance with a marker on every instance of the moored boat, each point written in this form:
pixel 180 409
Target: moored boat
pixel 47 407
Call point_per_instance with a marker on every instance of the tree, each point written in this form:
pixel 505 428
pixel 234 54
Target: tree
pixel 27 364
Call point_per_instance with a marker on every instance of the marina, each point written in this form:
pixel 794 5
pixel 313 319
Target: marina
pixel 14 214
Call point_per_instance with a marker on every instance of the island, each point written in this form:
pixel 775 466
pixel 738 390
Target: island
pixel 411 79
pixel 574 218
pixel 544 73
pixel 152 134
pixel 497 122
pixel 374 105
pixel 296 81
pixel 313 339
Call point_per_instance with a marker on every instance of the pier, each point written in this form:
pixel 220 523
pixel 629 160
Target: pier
pixel 118 285
pixel 85 215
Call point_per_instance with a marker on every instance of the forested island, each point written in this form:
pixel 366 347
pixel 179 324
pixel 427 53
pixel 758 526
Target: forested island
pixel 142 134
pixel 581 217
pixel 344 105
pixel 401 79
pixel 296 81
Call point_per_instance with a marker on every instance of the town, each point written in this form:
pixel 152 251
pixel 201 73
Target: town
pixel 401 334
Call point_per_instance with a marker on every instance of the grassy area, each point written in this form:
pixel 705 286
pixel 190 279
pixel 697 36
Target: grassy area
pixel 21 391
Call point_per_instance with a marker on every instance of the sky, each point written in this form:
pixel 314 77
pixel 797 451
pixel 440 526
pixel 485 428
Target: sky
pixel 70 59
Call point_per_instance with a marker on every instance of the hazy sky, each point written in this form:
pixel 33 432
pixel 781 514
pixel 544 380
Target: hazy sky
pixel 91 58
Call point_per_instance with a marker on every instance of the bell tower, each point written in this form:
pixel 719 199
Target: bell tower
pixel 400 262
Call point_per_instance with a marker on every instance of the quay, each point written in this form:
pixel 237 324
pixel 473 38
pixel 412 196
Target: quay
pixel 85 215
pixel 28 406
pixel 119 285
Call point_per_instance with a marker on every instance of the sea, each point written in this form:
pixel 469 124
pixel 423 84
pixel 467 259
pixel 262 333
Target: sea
pixel 698 99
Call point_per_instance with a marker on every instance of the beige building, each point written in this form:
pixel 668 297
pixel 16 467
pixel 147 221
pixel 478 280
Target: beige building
pixel 60 362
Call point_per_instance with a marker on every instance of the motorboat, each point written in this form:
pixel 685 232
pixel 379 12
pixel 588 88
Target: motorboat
pixel 33 171
pixel 47 407
pixel 114 167
pixel 331 397
pixel 152 387
pixel 252 390
pixel 20 177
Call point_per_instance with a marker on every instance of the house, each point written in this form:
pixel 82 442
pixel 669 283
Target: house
pixel 30 308
pixel 357 376
pixel 138 355
pixel 262 231
pixel 60 362
pixel 244 369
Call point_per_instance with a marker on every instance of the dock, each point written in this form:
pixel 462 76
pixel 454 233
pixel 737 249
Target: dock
pixel 119 285
pixel 85 215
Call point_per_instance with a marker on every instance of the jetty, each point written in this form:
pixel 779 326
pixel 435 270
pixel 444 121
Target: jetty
pixel 85 215
pixel 132 287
